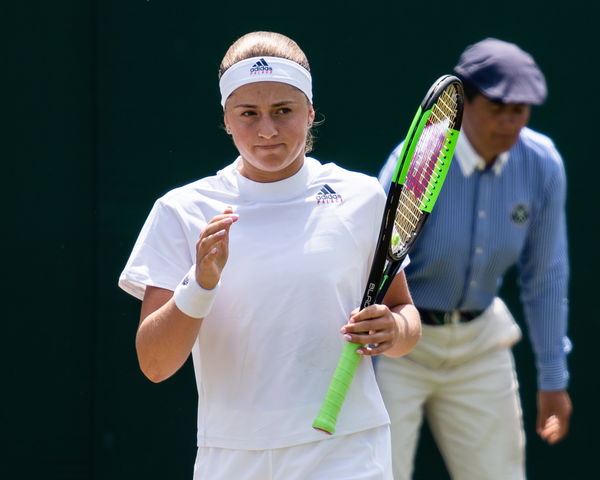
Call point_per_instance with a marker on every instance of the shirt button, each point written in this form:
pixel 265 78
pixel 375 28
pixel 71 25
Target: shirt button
pixel 479 251
pixel 473 283
pixel 481 213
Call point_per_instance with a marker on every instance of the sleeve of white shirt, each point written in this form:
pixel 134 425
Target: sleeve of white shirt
pixel 161 255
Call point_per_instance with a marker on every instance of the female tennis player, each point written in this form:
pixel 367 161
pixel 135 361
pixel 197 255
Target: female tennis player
pixel 257 272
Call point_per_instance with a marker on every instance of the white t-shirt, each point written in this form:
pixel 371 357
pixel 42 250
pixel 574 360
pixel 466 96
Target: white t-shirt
pixel 299 258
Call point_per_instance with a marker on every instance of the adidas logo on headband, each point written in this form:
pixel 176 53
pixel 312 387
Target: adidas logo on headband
pixel 260 67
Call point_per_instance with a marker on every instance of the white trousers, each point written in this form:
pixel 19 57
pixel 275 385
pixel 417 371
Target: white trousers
pixel 462 379
pixel 361 456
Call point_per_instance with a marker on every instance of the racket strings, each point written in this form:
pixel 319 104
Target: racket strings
pixel 429 154
pixel 407 217
pixel 446 105
pixel 423 173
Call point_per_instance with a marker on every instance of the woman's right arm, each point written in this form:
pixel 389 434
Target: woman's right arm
pixel 166 335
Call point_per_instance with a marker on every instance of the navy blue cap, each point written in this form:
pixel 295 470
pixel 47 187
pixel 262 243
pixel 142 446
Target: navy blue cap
pixel 502 72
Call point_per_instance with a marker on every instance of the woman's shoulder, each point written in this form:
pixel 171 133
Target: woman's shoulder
pixel 339 174
pixel 207 188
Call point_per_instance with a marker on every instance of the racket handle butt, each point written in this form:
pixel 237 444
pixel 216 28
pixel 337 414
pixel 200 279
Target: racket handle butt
pixel 338 388
pixel 327 430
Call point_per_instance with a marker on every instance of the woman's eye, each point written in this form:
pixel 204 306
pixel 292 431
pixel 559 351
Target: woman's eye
pixel 284 110
pixel 248 113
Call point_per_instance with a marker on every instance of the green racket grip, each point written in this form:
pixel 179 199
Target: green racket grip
pixel 338 388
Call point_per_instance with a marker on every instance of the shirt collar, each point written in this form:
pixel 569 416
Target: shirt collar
pixel 272 192
pixel 469 160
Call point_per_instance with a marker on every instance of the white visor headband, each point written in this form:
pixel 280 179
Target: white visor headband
pixel 265 69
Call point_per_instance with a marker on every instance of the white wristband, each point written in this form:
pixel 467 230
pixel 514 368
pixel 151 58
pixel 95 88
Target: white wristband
pixel 191 298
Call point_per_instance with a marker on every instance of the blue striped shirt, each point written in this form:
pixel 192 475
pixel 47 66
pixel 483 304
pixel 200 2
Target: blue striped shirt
pixel 487 220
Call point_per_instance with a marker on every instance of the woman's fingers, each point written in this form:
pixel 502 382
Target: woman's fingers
pixel 212 248
pixel 373 327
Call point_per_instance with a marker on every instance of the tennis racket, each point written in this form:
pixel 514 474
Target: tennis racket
pixel 418 178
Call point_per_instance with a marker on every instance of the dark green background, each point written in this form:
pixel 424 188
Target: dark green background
pixel 108 104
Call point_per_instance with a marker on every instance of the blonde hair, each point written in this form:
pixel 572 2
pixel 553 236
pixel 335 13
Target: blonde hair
pixel 263 44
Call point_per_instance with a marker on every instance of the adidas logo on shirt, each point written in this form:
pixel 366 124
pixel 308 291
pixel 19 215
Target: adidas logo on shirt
pixel 260 67
pixel 328 195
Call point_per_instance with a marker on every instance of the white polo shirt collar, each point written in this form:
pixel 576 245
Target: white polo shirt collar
pixel 469 160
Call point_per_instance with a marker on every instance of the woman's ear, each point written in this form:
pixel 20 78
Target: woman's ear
pixel 311 116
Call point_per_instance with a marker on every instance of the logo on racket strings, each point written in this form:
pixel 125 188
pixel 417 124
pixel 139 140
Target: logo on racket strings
pixel 328 195
pixel 261 67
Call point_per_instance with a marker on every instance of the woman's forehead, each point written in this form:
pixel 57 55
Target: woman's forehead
pixel 265 93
